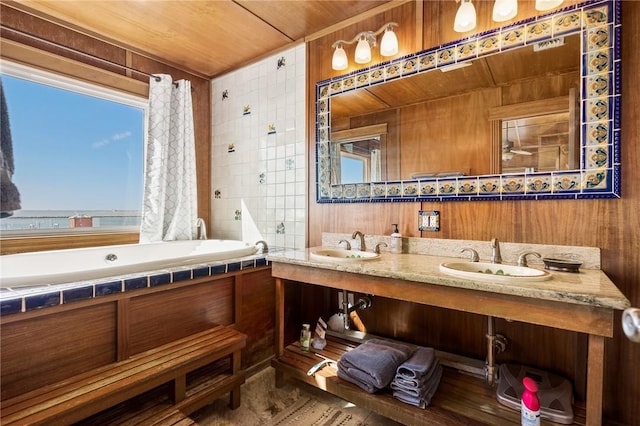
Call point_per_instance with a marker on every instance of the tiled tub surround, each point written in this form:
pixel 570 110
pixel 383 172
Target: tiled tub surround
pixel 258 151
pixel 25 299
pixel 423 256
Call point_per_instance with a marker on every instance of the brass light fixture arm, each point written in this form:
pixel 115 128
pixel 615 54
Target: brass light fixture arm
pixel 370 36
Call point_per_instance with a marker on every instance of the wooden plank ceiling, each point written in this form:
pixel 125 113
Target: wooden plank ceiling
pixel 208 37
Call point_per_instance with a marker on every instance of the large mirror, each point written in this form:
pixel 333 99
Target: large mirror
pixel 526 111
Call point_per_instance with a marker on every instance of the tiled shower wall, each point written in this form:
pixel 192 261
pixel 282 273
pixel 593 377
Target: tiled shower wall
pixel 258 152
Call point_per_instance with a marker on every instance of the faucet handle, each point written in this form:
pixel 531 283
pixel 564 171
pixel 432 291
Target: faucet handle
pixel 376 250
pixel 474 254
pixel 347 244
pixel 522 259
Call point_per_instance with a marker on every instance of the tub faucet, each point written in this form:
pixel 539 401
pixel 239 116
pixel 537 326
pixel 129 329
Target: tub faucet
pixel 201 229
pixel 495 251
pixel 363 247
pixel 265 247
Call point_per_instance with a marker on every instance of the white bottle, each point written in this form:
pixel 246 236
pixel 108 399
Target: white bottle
pixel 395 245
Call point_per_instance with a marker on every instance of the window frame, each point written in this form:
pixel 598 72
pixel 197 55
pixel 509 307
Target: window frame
pixel 88 88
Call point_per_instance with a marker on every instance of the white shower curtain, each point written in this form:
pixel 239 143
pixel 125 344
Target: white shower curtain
pixel 169 209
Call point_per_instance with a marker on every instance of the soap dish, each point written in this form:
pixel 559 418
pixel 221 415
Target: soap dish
pixel 561 265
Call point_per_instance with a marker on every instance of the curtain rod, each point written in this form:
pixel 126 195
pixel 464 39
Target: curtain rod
pixel 72 50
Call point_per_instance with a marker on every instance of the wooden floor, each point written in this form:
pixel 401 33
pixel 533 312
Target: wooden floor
pixel 460 399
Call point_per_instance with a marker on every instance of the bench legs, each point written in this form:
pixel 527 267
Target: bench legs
pixel 234 398
pixel 178 389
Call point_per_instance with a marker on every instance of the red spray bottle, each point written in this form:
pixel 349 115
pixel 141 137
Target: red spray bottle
pixel 530 406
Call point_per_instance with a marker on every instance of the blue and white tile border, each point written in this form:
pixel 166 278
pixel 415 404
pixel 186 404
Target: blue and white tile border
pixel 599 23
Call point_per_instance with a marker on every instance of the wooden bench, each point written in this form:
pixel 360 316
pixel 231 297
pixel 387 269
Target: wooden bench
pixel 88 393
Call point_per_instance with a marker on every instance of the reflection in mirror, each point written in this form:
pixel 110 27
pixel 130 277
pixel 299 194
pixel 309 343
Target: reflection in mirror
pixel 442 114
pixel 444 138
pixel 539 136
pixel 537 144
pixel 356 154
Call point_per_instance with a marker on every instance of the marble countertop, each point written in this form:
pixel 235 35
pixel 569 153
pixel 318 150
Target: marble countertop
pixel 588 287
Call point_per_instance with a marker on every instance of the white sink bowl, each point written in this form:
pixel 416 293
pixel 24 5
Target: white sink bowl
pixel 342 255
pixel 493 272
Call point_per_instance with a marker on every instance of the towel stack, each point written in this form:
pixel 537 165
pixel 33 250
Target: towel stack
pixel 373 365
pixel 417 378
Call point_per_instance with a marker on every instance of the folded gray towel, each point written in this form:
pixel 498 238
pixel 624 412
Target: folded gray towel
pixel 413 386
pixel 365 386
pixel 424 399
pixel 418 364
pixel 373 364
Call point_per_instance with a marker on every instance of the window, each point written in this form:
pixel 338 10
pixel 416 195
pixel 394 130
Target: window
pixel 78 152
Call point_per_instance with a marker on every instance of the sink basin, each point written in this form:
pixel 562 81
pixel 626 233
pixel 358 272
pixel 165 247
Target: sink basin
pixel 342 255
pixel 493 272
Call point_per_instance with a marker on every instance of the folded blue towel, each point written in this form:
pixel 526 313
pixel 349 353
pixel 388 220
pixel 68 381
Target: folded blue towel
pixel 373 365
pixel 418 364
pixel 424 399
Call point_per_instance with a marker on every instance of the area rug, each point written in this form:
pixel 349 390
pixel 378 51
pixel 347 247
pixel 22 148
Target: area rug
pixel 293 404
pixel 310 411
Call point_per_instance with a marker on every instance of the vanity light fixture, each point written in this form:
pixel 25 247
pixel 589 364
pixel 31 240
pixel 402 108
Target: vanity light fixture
pixel 366 40
pixel 547 4
pixel 465 17
pixel 503 10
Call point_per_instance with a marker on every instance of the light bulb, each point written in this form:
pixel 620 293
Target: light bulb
pixel 339 60
pixel 363 51
pixel 503 10
pixel 465 17
pixel 389 43
pixel 547 4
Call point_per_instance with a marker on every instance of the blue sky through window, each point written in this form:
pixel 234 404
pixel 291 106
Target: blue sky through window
pixel 73 151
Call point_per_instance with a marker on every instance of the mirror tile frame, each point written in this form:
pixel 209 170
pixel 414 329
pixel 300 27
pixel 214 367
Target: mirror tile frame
pixel 598 22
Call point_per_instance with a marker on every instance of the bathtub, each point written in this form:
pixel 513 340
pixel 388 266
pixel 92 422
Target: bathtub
pixel 71 265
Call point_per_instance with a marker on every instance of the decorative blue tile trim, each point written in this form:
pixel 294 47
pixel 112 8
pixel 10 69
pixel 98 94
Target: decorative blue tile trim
pixel 104 289
pixel 599 24
pixel 41 301
pixel 159 279
pixel 14 301
pixel 201 272
pixel 9 307
pixel 75 294
pixel 181 275
pixel 247 264
pixel 232 267
pixel 136 283
pixel 219 269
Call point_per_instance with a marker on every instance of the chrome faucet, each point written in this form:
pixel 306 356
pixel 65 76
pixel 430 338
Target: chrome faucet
pixel 495 251
pixel 201 229
pixel 363 247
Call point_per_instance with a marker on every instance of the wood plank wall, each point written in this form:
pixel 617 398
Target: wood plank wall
pixel 612 225
pixel 56 54
pixel 44 346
